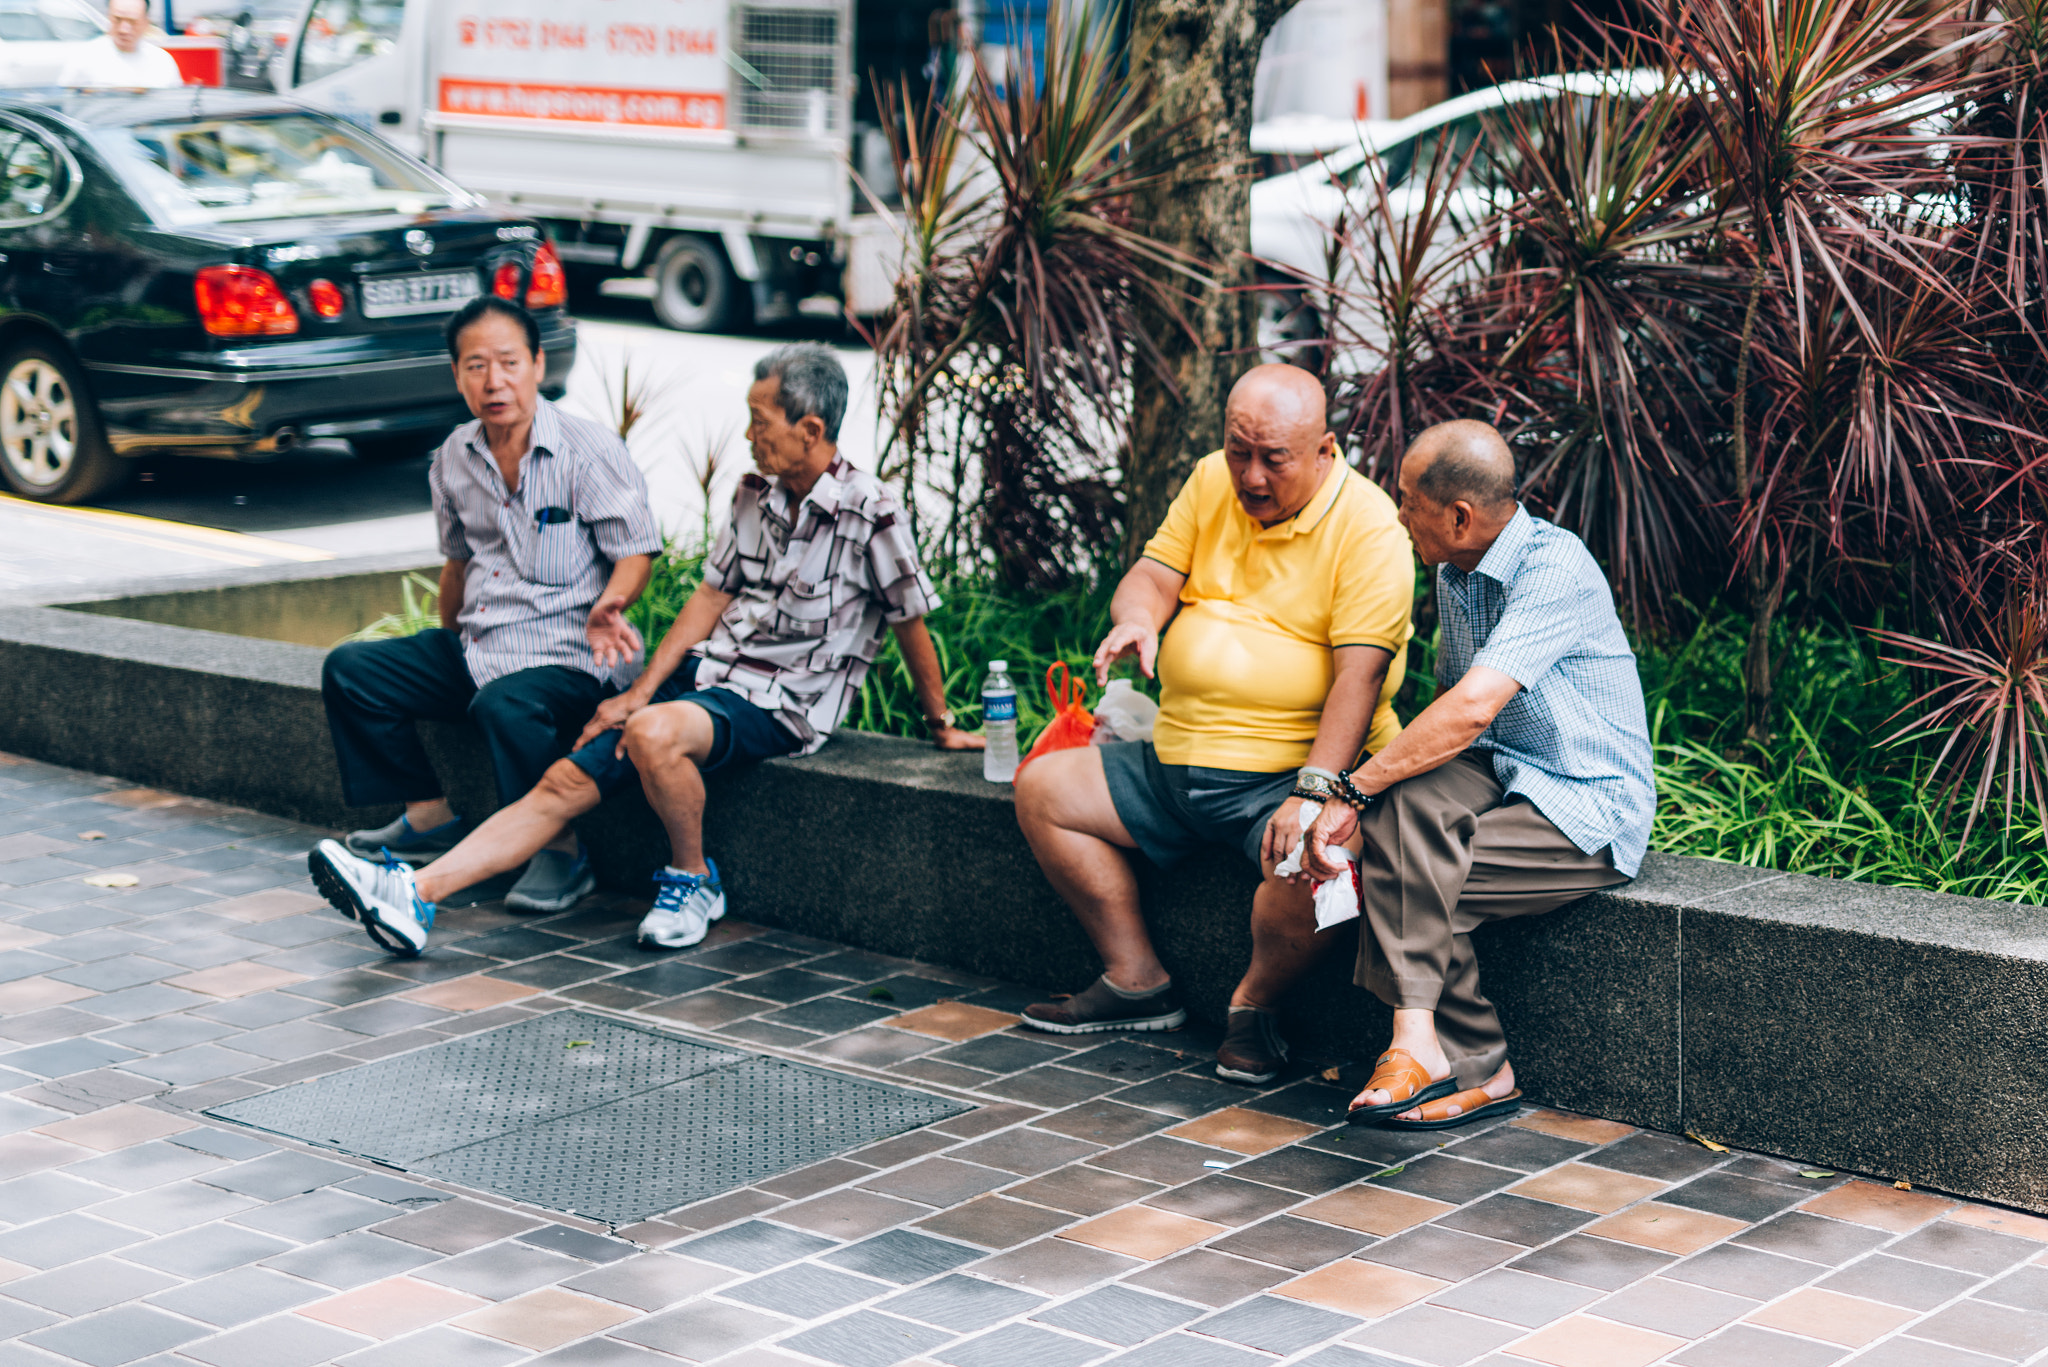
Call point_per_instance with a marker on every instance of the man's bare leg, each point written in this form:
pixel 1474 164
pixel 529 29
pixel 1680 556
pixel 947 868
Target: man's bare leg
pixel 1285 941
pixel 1415 1035
pixel 513 834
pixel 667 742
pixel 1064 808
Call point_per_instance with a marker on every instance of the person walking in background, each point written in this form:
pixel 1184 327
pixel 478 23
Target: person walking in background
pixel 119 59
pixel 1283 582
pixel 815 562
pixel 544 521
pixel 1524 786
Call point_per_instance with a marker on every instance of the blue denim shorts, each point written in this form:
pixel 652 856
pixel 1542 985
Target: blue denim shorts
pixel 741 733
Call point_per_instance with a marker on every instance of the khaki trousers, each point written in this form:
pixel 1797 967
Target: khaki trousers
pixel 1443 856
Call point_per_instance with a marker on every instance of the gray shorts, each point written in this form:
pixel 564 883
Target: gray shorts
pixel 1172 810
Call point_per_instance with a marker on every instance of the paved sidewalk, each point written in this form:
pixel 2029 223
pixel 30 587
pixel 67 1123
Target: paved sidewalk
pixel 1108 1201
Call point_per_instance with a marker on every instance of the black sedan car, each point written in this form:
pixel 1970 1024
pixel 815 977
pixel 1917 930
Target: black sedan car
pixel 221 274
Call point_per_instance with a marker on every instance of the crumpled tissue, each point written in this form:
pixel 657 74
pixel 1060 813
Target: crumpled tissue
pixel 1337 900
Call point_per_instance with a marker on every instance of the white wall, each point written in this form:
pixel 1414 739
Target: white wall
pixel 1320 58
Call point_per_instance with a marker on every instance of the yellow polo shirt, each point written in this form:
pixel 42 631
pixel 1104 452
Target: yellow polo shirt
pixel 1246 663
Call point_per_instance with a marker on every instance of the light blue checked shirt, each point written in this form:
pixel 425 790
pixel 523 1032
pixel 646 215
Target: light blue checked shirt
pixel 1575 741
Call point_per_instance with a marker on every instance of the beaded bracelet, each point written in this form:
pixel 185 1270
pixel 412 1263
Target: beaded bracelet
pixel 1348 790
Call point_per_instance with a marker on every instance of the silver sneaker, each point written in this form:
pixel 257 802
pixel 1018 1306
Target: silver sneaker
pixel 553 881
pixel 685 905
pixel 381 896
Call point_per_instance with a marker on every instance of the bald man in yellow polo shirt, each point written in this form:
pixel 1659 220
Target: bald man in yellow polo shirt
pixel 1284 582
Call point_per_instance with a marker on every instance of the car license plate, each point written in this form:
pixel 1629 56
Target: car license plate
pixel 396 296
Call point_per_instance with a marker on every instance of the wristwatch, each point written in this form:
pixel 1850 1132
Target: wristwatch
pixel 1315 785
pixel 942 722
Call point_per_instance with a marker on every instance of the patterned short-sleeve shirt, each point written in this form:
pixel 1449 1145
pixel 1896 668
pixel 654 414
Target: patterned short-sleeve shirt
pixel 1575 741
pixel 814 586
pixel 539 556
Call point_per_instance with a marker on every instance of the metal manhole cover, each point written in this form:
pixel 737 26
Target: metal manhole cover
pixel 589 1116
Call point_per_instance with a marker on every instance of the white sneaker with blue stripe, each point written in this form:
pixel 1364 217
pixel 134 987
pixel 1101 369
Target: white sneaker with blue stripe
pixel 685 905
pixel 380 895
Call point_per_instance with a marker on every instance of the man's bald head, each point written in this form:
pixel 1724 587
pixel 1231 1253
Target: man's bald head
pixel 1277 441
pixel 1463 461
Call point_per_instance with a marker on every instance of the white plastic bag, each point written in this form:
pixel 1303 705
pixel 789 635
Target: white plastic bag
pixel 1337 899
pixel 1123 713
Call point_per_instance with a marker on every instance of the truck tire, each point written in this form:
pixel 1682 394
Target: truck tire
pixel 53 448
pixel 694 289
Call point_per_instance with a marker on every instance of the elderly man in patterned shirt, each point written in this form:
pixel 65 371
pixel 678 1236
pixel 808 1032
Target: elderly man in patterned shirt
pixel 763 660
pixel 544 521
pixel 1523 787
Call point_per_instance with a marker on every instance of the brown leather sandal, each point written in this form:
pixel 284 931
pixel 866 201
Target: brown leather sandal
pixel 1398 1075
pixel 1467 1106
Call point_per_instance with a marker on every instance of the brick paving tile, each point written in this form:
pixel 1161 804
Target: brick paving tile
pixel 1445 1178
pixel 1999 1330
pixel 1884 1207
pixel 1275 1325
pixel 1183 1094
pixel 205 1250
pixel 1050 1086
pixel 1160 1159
pixel 47 1193
pixel 117 1336
pixel 1140 1232
pixel 545 1319
pixel 1744 1272
pixel 2001 1221
pixel 708 1329
pixel 1744 1345
pixel 902 1257
pixel 1289 1242
pixel 962 1304
pixel 280 1175
pixel 954 1020
pixel 1594 1263
pixel 442 1346
pixel 456 1226
pixel 1309 1172
pixel 1905 1352
pixel 1817 1240
pixel 87 1286
pixel 612 1353
pixel 63 1239
pixel 1105 1122
pixel 1083 1190
pixel 995 1222
pixel 753 1247
pixel 236 1297
pixel 387 1309
pixel 286 1341
pixel 1019 1345
pixel 499 1272
pixel 1584 1342
pixel 850 1214
pixel 236 980
pixel 1119 1315
pixel 35 993
pixel 1055 1266
pixel 470 994
pixel 2026 1288
pixel 144 1166
pixel 651 1281
pixel 1224 1200
pixel 1948 1244
pixel 1517 1297
pixel 722 1210
pixel 1438 1252
pixel 1670 1229
pixel 1690 1312
pixel 1515 1219
pixel 1832 1317
pixel 1361 1289
pixel 24 1153
pixel 1583 1129
pixel 1598 1190
pixel 938 1181
pixel 901 1149
pixel 1208 1278
pixel 1373 1210
pixel 1185 1350
pixel 1025 1151
pixel 707 1010
pixel 1431 1333
pixel 808 1181
pixel 1243 1131
pixel 1896 1281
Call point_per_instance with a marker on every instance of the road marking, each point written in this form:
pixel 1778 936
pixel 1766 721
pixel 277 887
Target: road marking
pixel 210 543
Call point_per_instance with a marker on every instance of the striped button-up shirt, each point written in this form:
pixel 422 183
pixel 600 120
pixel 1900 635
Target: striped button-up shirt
pixel 541 555
pixel 813 586
pixel 1575 741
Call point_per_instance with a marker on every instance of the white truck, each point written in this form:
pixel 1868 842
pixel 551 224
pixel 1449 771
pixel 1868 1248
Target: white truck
pixel 702 142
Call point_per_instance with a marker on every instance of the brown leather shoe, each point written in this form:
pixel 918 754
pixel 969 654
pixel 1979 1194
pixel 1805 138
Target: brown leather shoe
pixel 1252 1050
pixel 1102 1007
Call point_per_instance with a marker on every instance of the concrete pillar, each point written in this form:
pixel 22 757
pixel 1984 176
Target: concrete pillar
pixel 1418 55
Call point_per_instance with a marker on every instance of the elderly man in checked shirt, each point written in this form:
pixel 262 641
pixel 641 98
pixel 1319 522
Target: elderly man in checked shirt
pixel 544 521
pixel 1523 787
pixel 763 660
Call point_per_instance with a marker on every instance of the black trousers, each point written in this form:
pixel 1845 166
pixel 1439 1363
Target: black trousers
pixel 376 690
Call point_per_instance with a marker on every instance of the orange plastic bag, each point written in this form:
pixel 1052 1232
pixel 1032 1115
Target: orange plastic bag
pixel 1072 724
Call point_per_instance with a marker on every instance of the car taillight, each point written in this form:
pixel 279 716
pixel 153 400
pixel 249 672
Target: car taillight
pixel 241 301
pixel 505 281
pixel 549 288
pixel 326 298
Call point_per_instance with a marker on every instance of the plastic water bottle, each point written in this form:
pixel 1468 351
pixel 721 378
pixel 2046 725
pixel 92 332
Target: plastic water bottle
pixel 999 723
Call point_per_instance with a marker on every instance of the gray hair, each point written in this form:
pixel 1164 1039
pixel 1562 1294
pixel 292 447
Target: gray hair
pixel 811 383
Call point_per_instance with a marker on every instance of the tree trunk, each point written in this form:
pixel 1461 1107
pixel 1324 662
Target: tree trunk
pixel 1202 62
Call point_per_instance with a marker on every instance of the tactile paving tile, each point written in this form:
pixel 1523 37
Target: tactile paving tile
pixel 681 1143
pixel 582 1114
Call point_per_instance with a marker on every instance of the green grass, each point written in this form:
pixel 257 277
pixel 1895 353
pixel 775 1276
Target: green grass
pixel 1822 799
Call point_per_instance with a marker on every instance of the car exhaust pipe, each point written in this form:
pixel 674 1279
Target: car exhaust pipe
pixel 279 442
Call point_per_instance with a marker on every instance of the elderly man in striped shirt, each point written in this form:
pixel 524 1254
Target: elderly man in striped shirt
pixel 1524 786
pixel 544 521
pixel 816 563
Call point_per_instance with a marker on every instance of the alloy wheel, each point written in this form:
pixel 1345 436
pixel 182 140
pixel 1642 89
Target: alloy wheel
pixel 38 423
